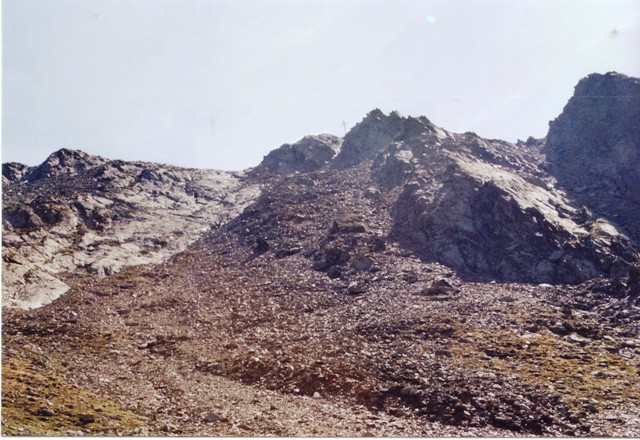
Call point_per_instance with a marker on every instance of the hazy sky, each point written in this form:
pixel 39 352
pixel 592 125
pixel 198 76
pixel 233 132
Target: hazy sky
pixel 218 84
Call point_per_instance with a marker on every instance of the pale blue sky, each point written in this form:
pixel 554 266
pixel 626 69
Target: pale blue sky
pixel 218 84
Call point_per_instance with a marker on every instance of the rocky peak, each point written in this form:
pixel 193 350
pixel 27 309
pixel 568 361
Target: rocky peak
pixel 64 162
pixel 308 154
pixel 13 172
pixel 382 293
pixel 594 146
pixel 602 114
pixel 611 85
pixel 375 132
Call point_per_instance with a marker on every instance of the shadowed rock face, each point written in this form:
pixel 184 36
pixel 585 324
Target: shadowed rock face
pixel 506 229
pixel 594 148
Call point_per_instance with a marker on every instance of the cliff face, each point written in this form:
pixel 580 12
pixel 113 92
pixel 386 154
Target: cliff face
pixel 492 224
pixel 594 148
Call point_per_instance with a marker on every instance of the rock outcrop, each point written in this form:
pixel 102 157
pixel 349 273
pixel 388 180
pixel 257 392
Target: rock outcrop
pixel 487 208
pixel 308 154
pixel 484 207
pixel 376 132
pixel 81 212
pixel 13 171
pixel 64 162
pixel 488 224
pixel 594 148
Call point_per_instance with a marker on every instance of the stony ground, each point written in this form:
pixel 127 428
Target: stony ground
pixel 241 336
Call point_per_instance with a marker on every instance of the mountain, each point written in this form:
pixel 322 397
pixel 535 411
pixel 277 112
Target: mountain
pixel 403 280
pixel 81 212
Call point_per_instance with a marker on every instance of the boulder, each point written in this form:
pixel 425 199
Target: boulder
pixel 348 224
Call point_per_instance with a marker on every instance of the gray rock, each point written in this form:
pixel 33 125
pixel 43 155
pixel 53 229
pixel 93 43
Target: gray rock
pixel 64 162
pixel 410 277
pixel 308 253
pixel 13 172
pixel 213 417
pixel 439 287
pixel 378 244
pixel 334 272
pixel 556 255
pixel 287 252
pixel 362 263
pixel 309 154
pixel 356 288
pixel 81 212
pixel 45 412
pixel 372 193
pixel 375 132
pixel 349 224
pixel 396 166
pixel 328 257
pixel 595 144
pixel 86 418
pixel 489 223
pixel 21 217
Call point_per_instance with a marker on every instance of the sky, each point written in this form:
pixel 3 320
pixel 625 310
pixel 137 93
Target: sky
pixel 220 83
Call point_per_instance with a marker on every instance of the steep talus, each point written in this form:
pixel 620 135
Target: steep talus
pixel 593 148
pixel 82 212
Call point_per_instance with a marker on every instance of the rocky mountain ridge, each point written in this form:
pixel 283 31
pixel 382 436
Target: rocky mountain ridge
pixel 402 280
pixel 82 212
pixel 486 208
